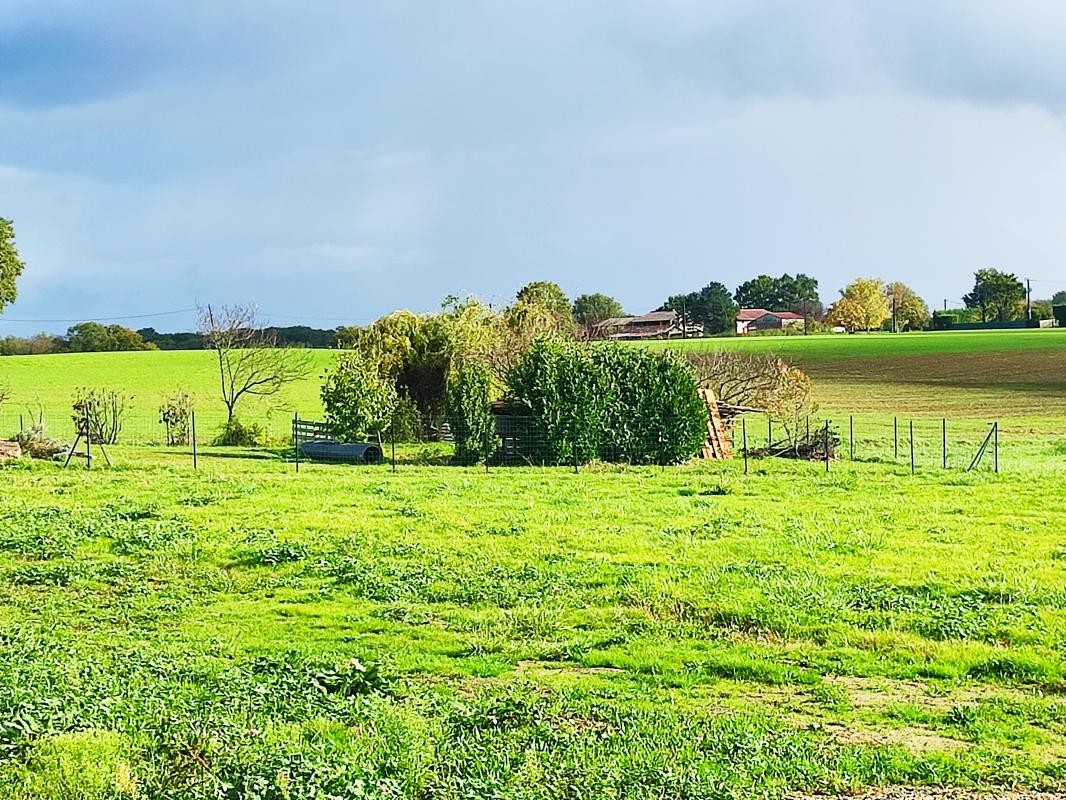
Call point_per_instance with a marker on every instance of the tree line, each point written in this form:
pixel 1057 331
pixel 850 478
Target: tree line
pixel 95 337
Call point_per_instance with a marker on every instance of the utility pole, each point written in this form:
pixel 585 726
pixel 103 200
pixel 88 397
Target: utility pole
pixel 1028 299
pixel 684 319
pixel 895 325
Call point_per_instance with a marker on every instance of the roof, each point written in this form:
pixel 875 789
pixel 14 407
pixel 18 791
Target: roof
pixel 750 314
pixel 659 317
pixel 656 316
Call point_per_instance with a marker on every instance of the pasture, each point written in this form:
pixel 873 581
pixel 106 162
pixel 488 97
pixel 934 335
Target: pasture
pixel 444 632
pixel 1010 375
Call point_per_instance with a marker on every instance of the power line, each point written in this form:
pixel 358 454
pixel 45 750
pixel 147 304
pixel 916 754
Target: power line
pixel 104 319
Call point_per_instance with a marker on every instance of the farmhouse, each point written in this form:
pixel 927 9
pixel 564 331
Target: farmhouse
pixel 653 325
pixel 751 320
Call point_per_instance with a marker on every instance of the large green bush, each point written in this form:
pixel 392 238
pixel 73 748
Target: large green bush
pixel 653 413
pixel 358 402
pixel 559 382
pixel 608 401
pixel 469 411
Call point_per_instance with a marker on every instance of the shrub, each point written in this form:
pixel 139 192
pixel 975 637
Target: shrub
pixel 97 413
pixel 175 414
pixel 237 434
pixel 653 414
pixel 407 424
pixel 559 382
pixel 358 401
pixel 469 399
pixel 608 401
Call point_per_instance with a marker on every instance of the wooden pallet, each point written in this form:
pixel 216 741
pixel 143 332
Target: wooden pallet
pixel 717 445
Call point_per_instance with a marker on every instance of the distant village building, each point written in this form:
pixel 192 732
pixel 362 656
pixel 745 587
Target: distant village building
pixel 752 320
pixel 653 325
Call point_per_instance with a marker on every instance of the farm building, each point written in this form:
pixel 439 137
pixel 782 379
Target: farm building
pixel 653 325
pixel 752 320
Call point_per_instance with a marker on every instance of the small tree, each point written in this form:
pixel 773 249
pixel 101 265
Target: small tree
pixel 249 361
pixel 175 414
pixel 359 403
pixel 470 415
pixel 789 403
pixel 97 414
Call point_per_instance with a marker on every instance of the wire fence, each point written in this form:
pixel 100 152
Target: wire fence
pixel 919 444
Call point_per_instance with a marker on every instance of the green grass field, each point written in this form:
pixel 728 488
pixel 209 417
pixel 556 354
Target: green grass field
pixel 1019 375
pixel 443 632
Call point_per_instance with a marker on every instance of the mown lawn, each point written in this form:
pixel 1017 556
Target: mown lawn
pixel 444 632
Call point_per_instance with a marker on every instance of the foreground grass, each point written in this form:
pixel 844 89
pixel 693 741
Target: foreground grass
pixel 444 633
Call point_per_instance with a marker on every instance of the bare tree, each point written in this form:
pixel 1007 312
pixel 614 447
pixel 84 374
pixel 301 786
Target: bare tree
pixel 249 359
pixel 762 382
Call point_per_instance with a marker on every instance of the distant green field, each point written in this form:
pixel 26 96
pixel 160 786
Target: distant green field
pixel 48 382
pixel 1012 375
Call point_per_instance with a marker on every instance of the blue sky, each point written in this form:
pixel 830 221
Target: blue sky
pixel 331 161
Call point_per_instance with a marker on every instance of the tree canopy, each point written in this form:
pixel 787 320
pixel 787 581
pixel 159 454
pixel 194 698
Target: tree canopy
pixel 997 295
pixel 591 309
pixel 863 306
pixel 541 308
pixel 11 265
pixel 911 311
pixel 712 307
pixel 798 294
pixel 93 337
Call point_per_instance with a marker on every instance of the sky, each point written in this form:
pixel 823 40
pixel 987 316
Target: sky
pixel 330 161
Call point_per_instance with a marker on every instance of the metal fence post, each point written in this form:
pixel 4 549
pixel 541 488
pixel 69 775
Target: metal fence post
pixel 827 445
pixel 194 440
pixel 851 436
pixel 911 447
pixel 895 438
pixel 392 443
pixel 296 439
pixel 21 428
pixel 995 446
pixel 944 442
pixel 769 432
pixel 744 432
pixel 88 441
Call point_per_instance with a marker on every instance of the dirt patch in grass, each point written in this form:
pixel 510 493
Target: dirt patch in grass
pixel 914 740
pixel 882 692
pixel 540 669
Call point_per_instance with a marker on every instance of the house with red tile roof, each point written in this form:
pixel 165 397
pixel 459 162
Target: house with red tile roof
pixel 753 320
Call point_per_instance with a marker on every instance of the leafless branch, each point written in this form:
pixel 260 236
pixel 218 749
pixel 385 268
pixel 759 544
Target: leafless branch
pixel 249 359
